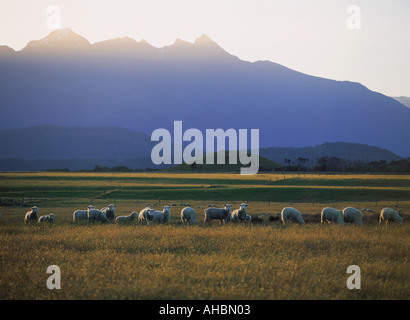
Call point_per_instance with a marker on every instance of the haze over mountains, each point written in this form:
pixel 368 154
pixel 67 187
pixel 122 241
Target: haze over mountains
pixel 63 80
pixel 77 148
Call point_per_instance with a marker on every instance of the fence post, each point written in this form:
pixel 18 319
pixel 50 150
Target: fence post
pixel 22 202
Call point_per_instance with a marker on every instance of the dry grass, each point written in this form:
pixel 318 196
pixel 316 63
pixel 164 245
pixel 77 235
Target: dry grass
pixel 257 261
pixel 261 260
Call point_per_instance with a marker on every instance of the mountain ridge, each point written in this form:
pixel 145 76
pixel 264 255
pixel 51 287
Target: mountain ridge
pixel 203 88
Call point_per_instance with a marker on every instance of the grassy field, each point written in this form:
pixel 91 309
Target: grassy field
pixel 261 260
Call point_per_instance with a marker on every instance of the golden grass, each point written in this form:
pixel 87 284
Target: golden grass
pixel 261 261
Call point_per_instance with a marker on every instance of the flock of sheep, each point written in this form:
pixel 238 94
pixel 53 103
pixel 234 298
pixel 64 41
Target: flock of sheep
pixel 224 215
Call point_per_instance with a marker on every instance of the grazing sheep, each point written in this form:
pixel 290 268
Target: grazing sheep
pixel 221 214
pixel 162 216
pixel 291 214
pixel 352 215
pixel 331 215
pixel 127 219
pixel 81 215
pixel 239 215
pixel 49 218
pixel 267 215
pixel 390 215
pixel 94 215
pixel 109 211
pixel 31 216
pixel 188 214
pixel 146 215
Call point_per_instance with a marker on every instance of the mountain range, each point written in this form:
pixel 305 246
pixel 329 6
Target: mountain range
pixel 64 80
pixel 77 148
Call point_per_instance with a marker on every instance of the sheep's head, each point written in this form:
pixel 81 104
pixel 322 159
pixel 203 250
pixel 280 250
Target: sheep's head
pixel 34 209
pixel 243 206
pixel 51 216
pixel 166 208
pixel 112 206
pixel 90 207
pixel 228 207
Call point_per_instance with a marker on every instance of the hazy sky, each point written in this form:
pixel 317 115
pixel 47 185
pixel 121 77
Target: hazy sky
pixel 310 36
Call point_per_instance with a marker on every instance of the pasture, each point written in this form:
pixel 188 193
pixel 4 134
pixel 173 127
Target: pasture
pixel 260 260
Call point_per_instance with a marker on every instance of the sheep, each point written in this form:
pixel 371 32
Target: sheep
pixel 221 214
pixel 331 215
pixel 240 214
pixel 162 216
pixel 352 215
pixel 109 212
pixel 146 215
pixel 291 214
pixel 268 216
pixel 31 216
pixel 48 218
pixel 188 214
pixel 389 215
pixel 81 215
pixel 94 215
pixel 127 219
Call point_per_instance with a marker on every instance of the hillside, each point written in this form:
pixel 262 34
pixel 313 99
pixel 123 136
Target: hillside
pixel 64 80
pixel 77 148
pixel 341 150
pixel 403 100
pixel 60 142
pixel 265 165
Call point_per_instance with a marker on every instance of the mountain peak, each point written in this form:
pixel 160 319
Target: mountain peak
pixel 204 40
pixel 60 38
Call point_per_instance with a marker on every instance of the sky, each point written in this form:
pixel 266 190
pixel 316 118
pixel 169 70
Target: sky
pixel 317 37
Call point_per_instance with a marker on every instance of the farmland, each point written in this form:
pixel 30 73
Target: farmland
pixel 260 260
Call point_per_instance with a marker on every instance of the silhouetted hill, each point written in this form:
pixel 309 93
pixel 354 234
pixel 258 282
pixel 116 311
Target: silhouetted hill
pixel 341 150
pixel 265 165
pixel 57 142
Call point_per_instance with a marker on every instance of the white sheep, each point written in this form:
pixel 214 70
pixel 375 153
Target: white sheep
pixel 146 215
pixel 48 218
pixel 109 212
pixel 222 214
pixel 331 215
pixel 188 214
pixel 352 215
pixel 162 216
pixel 31 216
pixel 390 215
pixel 94 215
pixel 127 219
pixel 239 215
pixel 81 215
pixel 292 215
